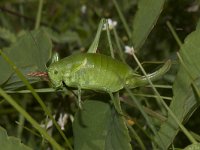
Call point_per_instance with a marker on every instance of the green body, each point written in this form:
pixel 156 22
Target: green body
pixel 96 72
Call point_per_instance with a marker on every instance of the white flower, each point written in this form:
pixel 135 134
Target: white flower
pixel 48 124
pixel 62 120
pixel 111 24
pixel 83 9
pixel 129 50
pixel 71 118
pixel 193 8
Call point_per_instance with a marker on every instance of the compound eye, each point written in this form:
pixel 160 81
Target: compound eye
pixel 55 72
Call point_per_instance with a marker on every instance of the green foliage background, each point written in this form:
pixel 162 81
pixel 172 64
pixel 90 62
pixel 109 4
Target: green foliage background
pixel 69 27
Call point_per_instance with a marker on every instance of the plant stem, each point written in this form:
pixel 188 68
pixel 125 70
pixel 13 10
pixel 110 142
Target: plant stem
pixel 37 97
pixel 30 119
pixel 185 131
pixel 39 14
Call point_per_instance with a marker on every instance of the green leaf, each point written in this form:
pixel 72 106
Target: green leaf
pixel 7 35
pixel 30 53
pixel 145 19
pixel 98 126
pixel 185 100
pixel 193 147
pixel 65 37
pixel 11 143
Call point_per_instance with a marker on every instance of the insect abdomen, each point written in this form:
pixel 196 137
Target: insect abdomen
pixel 97 72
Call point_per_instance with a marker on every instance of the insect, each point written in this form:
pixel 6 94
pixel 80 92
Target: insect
pixel 98 72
